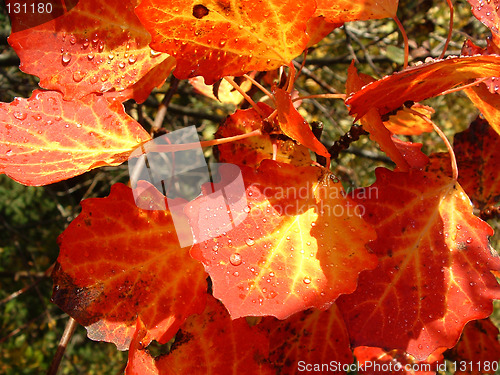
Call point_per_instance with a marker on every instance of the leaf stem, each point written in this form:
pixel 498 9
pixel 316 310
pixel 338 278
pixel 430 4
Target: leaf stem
pixel 291 78
pixel 245 95
pixel 213 142
pixel 405 38
pixel 66 337
pixel 450 29
pixel 460 88
pixel 261 88
pixel 454 166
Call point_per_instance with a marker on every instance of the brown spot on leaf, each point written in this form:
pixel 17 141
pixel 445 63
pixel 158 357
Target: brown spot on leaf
pixel 200 11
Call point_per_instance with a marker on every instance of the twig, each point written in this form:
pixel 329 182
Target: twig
pixel 365 51
pixel 162 109
pixel 315 78
pixel 66 336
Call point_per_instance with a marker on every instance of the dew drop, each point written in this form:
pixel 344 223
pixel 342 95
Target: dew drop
pixel 72 39
pixel 222 43
pixel 78 76
pixel 20 115
pixel 121 65
pixel 154 53
pixel 236 274
pixel 90 56
pixel 307 280
pixel 66 57
pixel 132 59
pixel 247 209
pixel 250 242
pixel 235 259
pixel 8 153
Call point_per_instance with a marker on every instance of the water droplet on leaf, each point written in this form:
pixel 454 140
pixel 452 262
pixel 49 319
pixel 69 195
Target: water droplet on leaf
pixel 235 259
pixel 20 115
pixel 66 57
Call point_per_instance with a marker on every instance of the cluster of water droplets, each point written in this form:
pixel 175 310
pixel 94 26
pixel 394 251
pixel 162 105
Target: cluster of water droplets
pixel 103 62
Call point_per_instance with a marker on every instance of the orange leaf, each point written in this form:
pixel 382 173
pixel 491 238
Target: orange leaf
pixel 477 151
pixel 308 339
pixel 421 82
pixel 215 38
pixel 115 265
pixel 478 349
pixel 341 11
pixel 211 344
pixel 434 271
pixel 487 103
pixel 294 125
pixel 300 245
pixel 372 122
pixel 376 361
pixel 407 123
pixel 95 47
pixel 46 139
pixel 318 28
pixel 251 151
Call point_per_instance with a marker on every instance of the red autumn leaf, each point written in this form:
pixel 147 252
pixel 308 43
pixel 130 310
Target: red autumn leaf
pixel 434 266
pixel 45 139
pixel 487 12
pixel 307 339
pixel 251 151
pixel 477 151
pixel 407 123
pixel 372 122
pixel 412 153
pixel 376 361
pixel 211 344
pixel 478 350
pixel 115 265
pixel 95 47
pixel 220 38
pixel 294 125
pixel 341 11
pixel 300 245
pixel 420 82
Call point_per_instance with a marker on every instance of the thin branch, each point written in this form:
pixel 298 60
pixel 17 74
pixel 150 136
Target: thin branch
pixel 66 336
pixel 162 109
pixel 315 78
pixel 365 51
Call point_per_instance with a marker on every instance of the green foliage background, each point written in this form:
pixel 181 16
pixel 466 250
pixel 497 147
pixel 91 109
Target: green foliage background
pixel 31 218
